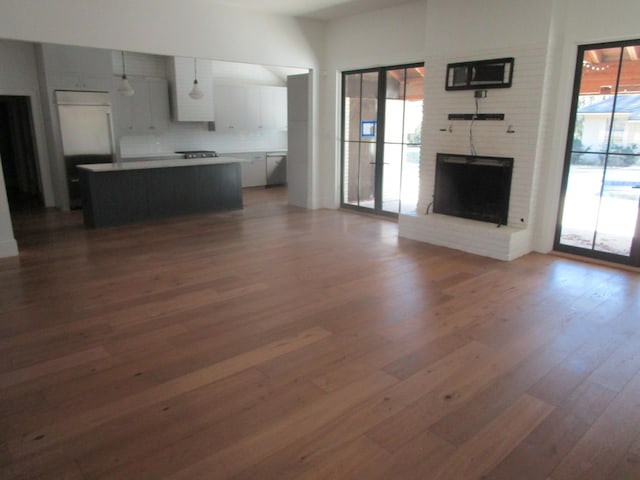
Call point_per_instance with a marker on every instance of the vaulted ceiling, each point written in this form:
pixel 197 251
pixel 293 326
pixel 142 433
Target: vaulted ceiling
pixel 317 9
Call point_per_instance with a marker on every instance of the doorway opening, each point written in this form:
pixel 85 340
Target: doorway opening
pixel 599 211
pixel 381 132
pixel 19 158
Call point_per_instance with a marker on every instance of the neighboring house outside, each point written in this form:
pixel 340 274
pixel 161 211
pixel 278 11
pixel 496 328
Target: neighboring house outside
pixel 593 123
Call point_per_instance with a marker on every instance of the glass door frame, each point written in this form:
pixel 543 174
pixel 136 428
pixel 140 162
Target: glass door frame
pixel 634 257
pixel 380 137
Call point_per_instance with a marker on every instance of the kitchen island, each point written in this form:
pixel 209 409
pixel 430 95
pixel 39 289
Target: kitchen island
pixel 136 191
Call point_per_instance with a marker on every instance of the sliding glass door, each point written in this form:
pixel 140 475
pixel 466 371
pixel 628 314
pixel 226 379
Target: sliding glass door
pixel 381 125
pixel 601 184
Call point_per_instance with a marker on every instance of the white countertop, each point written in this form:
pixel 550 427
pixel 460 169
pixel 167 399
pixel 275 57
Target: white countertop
pixel 140 165
pixel 152 156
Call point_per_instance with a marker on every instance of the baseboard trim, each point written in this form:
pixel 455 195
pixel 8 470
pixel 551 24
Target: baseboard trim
pixel 8 248
pixel 595 261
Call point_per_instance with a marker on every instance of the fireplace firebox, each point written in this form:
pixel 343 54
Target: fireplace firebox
pixel 473 187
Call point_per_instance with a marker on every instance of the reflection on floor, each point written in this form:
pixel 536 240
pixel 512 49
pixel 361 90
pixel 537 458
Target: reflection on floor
pixel 32 221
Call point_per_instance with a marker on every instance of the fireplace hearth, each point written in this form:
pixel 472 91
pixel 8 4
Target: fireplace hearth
pixel 474 187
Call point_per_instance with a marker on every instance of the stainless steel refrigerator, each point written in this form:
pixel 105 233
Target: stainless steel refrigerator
pixel 86 128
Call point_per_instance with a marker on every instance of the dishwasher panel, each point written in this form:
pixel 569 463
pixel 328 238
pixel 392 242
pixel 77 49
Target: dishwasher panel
pixel 276 168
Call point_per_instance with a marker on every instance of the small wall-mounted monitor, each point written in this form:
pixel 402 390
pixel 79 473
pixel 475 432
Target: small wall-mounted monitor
pixel 496 73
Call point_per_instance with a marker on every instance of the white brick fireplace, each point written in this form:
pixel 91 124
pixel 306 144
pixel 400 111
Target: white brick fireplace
pixel 518 136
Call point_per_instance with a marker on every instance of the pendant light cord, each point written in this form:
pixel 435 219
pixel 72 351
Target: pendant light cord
pixel 124 72
pixel 125 87
pixel 195 92
pixel 195 70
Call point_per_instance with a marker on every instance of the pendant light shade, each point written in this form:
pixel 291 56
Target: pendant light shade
pixel 125 87
pixel 195 92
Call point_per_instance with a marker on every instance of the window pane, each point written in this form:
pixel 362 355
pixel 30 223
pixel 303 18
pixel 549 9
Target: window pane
pixel 619 205
pixel 600 71
pixel 395 83
pixel 352 106
pixel 351 162
pixel 369 103
pixel 367 174
pixel 391 177
pixel 596 99
pixel 410 179
pixel 629 81
pixel 602 190
pixel 415 83
pixel 394 121
pixel 626 126
pixel 582 200
pixel 378 185
pixel 413 122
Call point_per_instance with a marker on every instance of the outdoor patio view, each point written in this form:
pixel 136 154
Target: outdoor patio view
pixel 382 173
pixel 603 181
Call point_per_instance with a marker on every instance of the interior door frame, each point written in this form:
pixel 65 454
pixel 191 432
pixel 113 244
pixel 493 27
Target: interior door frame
pixel 634 257
pixel 380 135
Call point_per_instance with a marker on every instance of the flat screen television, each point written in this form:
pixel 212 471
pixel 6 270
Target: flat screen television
pixel 473 187
pixel 496 73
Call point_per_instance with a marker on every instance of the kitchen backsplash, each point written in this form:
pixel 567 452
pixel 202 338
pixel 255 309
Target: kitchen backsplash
pixel 196 136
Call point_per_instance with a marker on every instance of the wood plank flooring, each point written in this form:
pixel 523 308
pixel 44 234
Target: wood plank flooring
pixel 280 343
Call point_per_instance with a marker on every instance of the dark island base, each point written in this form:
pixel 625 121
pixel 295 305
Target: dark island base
pixel 125 196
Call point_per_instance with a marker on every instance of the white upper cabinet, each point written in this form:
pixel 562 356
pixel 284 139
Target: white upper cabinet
pixel 146 111
pixel 248 107
pixel 158 104
pixel 185 108
pixel 76 68
pixel 231 105
pixel 273 108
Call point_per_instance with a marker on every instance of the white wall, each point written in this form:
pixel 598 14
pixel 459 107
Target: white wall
pixel 192 28
pixel 298 174
pixel 8 245
pixel 389 36
pixel 19 76
pixel 461 27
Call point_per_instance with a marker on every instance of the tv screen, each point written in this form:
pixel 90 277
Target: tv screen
pixel 490 73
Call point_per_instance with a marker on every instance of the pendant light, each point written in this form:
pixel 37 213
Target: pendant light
pixel 195 92
pixel 125 87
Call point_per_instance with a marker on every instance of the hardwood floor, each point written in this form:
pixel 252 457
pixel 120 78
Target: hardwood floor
pixel 280 343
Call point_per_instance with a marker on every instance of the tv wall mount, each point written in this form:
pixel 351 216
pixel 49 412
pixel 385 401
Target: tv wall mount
pixel 495 73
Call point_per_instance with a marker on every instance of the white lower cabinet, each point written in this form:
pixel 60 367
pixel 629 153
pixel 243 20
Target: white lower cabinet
pixel 254 171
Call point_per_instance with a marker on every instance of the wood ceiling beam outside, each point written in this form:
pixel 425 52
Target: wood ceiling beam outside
pixel 633 52
pixel 593 56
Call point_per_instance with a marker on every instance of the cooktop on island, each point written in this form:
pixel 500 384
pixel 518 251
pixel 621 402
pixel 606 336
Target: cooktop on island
pixel 199 153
